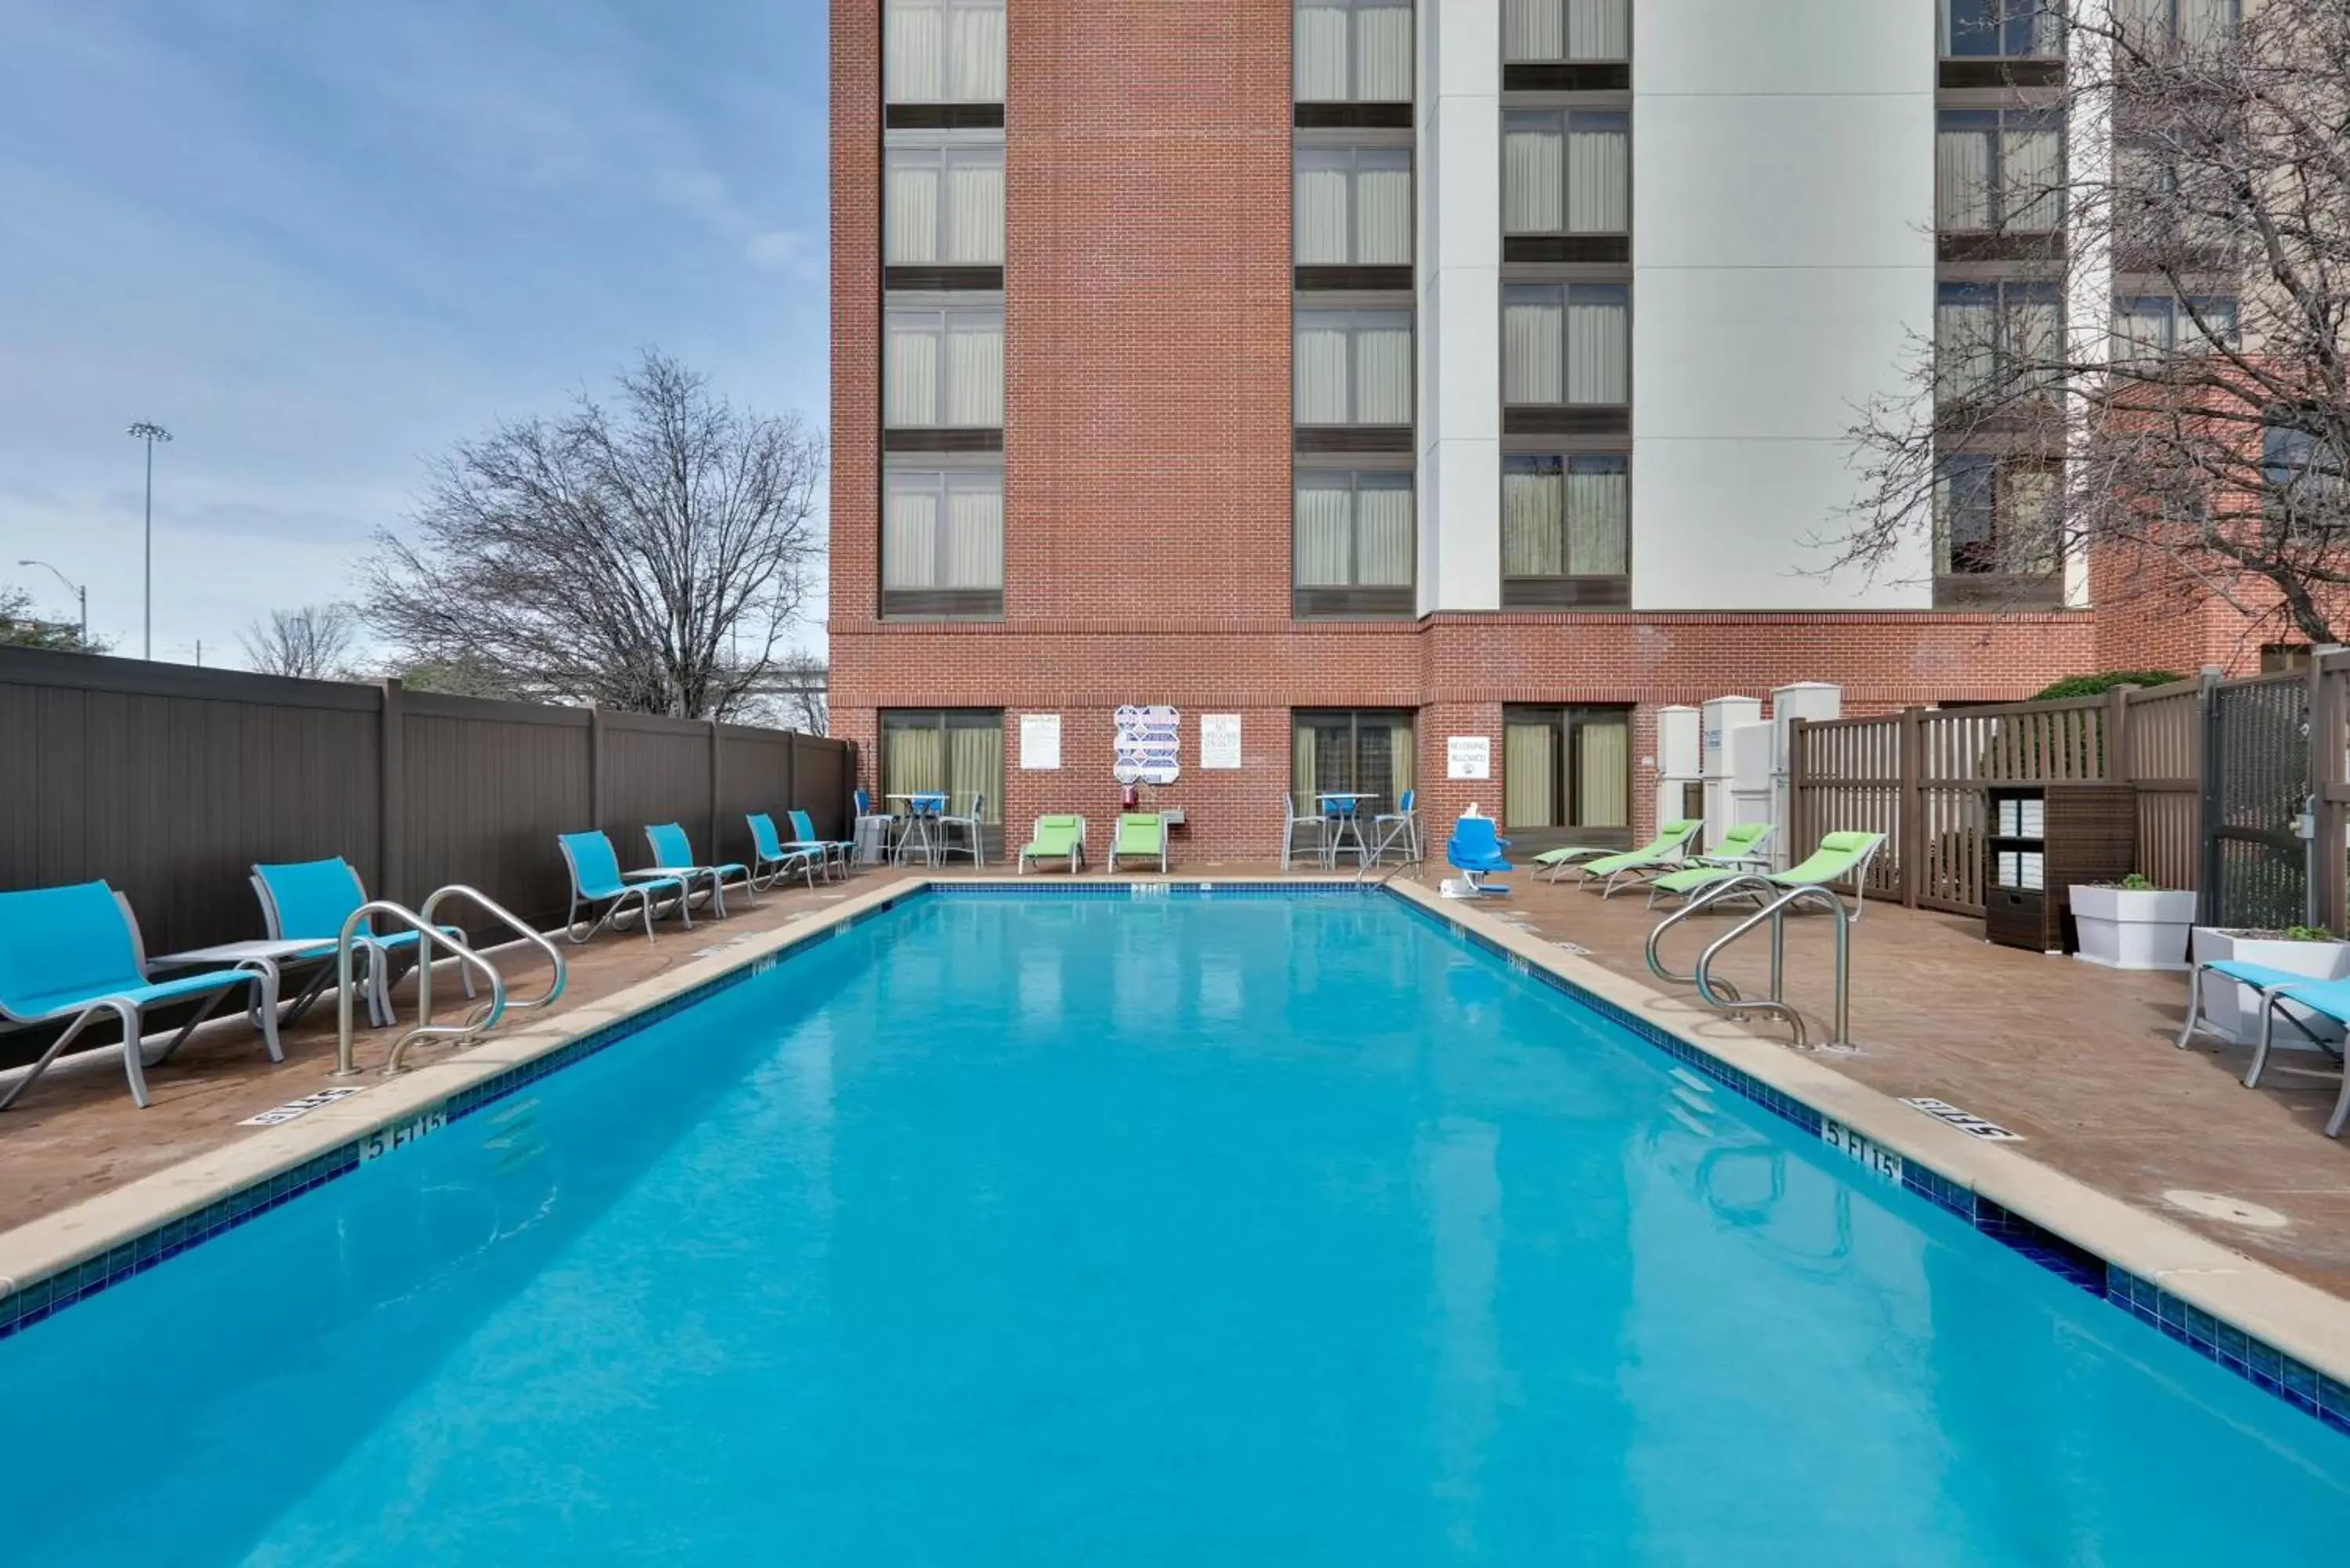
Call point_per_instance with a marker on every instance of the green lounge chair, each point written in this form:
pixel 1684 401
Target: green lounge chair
pixel 1140 835
pixel 1740 848
pixel 1671 838
pixel 1840 856
pixel 1056 838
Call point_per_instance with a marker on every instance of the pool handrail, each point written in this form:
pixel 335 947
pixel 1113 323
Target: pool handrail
pixel 505 917
pixel 485 1018
pixel 1775 912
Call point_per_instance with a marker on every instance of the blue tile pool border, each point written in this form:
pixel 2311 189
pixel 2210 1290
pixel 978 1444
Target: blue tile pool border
pixel 2262 1365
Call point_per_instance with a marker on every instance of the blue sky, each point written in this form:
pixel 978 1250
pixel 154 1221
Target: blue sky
pixel 322 241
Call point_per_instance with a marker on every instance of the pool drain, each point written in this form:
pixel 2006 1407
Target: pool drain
pixel 2219 1206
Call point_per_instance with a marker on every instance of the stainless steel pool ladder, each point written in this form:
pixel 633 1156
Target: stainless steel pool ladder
pixel 480 1019
pixel 1724 997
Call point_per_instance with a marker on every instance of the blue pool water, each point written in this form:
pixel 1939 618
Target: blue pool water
pixel 1009 1229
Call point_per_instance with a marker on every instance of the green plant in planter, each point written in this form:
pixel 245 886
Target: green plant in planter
pixel 2308 934
pixel 2137 882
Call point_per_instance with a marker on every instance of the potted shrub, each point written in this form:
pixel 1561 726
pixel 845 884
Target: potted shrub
pixel 2232 1009
pixel 2132 923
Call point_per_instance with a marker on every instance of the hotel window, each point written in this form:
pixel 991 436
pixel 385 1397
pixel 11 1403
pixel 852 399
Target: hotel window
pixel 2003 29
pixel 1542 31
pixel 1353 51
pixel 944 205
pixel 1999 169
pixel 2304 466
pixel 1353 206
pixel 943 51
pixel 2159 27
pixel 1566 532
pixel 1566 172
pixel 1566 343
pixel 942 368
pixel 958 751
pixel 1995 529
pixel 1567 768
pixel 1353 368
pixel 1366 752
pixel 1355 545
pixel 1991 337
pixel 942 542
pixel 2154 326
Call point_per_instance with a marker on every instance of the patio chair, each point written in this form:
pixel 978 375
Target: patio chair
pixel 2328 998
pixel 1671 838
pixel 836 851
pixel 1140 835
pixel 72 955
pixel 1475 851
pixel 769 857
pixel 1840 856
pixel 1740 848
pixel 1056 838
pixel 597 879
pixel 673 854
pixel 974 822
pixel 1399 828
pixel 1290 823
pixel 302 898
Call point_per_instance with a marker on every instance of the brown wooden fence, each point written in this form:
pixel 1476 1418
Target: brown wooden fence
pixel 170 782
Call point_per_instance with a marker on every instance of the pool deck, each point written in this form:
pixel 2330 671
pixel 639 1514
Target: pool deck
pixel 2076 1059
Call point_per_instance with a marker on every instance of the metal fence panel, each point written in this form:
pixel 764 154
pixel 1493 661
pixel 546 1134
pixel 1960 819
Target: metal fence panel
pixel 2256 781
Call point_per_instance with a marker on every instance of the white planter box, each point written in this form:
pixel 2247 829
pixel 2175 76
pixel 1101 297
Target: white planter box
pixel 2133 928
pixel 2232 1009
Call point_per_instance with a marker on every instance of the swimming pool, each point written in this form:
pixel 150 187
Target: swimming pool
pixel 1035 1229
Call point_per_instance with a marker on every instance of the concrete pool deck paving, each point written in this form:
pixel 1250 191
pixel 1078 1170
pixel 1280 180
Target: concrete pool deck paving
pixel 2076 1059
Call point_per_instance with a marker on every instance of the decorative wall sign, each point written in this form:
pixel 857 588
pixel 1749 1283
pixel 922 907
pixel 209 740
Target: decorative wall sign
pixel 1040 741
pixel 1220 740
pixel 1149 745
pixel 1469 757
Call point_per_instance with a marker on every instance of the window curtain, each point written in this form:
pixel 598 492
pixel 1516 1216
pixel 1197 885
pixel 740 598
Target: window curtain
pixel 1534 30
pixel 1383 758
pixel 1965 338
pixel 1325 522
pixel 1383 555
pixel 974 765
pixel 914 46
pixel 2205 25
pixel 1603 778
pixel 1383 48
pixel 1319 50
pixel 913 209
pixel 975 48
pixel 1321 369
pixel 910 538
pixel 974 544
pixel 1599 29
pixel 2142 328
pixel 975 373
pixel 2033 333
pixel 1383 371
pixel 1962 514
pixel 2144 23
pixel 1534 514
pixel 1598 508
pixel 1383 208
pixel 913 758
pixel 2031 169
pixel 2025 522
pixel 1962 178
pixel 1321 210
pixel 976 208
pixel 1534 154
pixel 2041 24
pixel 1598 175
pixel 1530 776
pixel 1302 758
pixel 1534 330
pixel 1598 344
pixel 910 382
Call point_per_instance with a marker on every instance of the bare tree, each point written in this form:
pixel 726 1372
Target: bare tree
pixel 2150 377
pixel 313 643
pixel 799 693
pixel 20 627
pixel 652 556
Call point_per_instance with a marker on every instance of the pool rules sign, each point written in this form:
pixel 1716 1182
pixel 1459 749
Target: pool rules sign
pixel 1149 745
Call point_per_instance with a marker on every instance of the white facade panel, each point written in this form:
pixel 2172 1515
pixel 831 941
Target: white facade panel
pixel 1732 47
pixel 1787 354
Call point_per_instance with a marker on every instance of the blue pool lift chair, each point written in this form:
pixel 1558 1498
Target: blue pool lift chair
pixel 596 878
pixel 303 899
pixel 771 860
pixel 673 854
pixel 72 956
pixel 1475 851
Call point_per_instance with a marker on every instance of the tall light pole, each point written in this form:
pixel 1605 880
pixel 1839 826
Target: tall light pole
pixel 79 592
pixel 149 432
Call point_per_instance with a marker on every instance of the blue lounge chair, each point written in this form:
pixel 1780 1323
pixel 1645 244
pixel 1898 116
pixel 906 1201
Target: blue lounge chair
pixel 2328 998
pixel 72 955
pixel 313 899
pixel 836 851
pixel 1475 851
pixel 770 859
pixel 597 879
pixel 674 853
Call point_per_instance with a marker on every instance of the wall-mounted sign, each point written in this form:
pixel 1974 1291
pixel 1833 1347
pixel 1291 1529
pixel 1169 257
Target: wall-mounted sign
pixel 1149 745
pixel 1220 740
pixel 1040 741
pixel 1469 757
